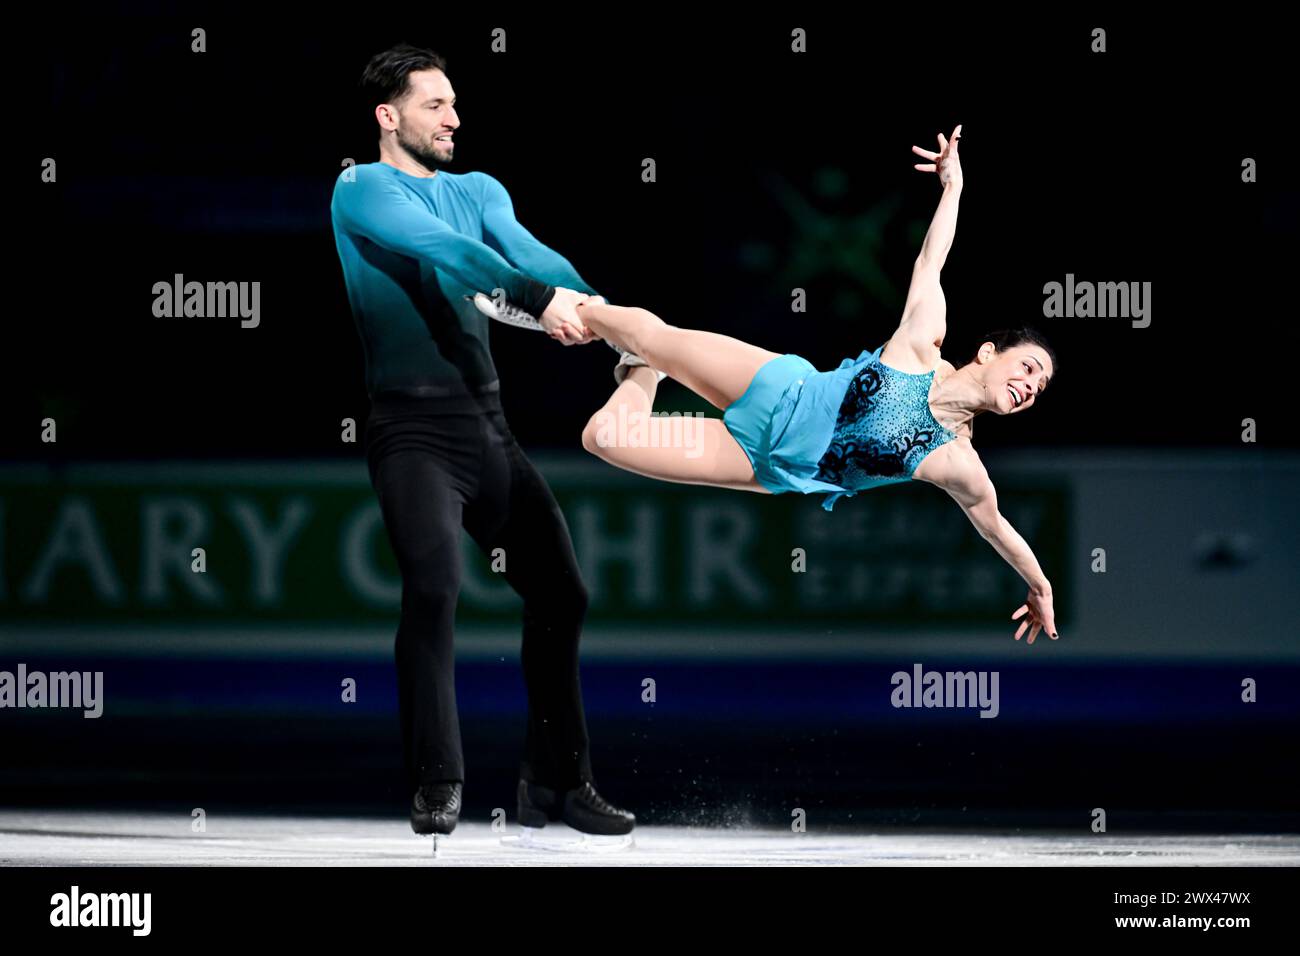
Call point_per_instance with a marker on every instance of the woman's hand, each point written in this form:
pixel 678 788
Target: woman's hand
pixel 946 162
pixel 590 336
pixel 560 320
pixel 1039 608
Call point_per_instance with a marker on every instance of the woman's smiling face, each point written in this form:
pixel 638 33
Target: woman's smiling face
pixel 1016 376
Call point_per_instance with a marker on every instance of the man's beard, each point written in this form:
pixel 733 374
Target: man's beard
pixel 424 155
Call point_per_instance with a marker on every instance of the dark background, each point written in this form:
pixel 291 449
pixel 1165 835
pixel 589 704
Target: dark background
pixel 1117 167
pixel 1123 166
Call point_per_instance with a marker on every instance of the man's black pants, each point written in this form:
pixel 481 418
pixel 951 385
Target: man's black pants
pixel 440 463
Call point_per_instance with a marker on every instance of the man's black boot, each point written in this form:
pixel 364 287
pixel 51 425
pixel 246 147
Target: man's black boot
pixel 581 808
pixel 436 807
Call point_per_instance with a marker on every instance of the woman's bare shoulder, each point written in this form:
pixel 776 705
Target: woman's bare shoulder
pixel 905 353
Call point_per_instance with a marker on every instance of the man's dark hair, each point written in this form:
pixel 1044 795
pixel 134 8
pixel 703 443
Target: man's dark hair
pixel 1004 339
pixel 385 79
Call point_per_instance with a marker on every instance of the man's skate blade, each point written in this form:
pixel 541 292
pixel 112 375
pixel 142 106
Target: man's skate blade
pixel 438 841
pixel 566 840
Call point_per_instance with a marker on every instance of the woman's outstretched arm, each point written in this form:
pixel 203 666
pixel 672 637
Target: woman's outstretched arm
pixel 964 478
pixel 943 227
pixel 925 315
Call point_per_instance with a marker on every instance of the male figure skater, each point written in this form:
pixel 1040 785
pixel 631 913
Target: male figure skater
pixel 415 241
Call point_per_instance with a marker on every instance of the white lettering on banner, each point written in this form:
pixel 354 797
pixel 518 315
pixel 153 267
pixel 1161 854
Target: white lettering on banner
pixel 76 540
pixel 720 538
pixel 269 548
pixel 357 559
pixel 639 551
pixel 162 552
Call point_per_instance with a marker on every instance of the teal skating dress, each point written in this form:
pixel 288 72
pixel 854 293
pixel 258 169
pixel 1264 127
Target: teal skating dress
pixel 856 427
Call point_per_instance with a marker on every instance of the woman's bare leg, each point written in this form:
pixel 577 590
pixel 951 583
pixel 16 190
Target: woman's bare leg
pixel 716 367
pixel 690 449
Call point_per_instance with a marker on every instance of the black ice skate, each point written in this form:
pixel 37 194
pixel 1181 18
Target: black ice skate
pixel 436 808
pixel 583 809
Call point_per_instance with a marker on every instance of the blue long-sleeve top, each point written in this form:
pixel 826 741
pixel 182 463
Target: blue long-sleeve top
pixel 412 248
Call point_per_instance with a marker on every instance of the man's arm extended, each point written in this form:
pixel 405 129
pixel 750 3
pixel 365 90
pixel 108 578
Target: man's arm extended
pixel 374 207
pixel 505 233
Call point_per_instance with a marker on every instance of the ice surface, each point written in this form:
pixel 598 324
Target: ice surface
pixel 73 838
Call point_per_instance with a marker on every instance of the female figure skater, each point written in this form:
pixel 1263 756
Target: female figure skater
pixel 896 414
